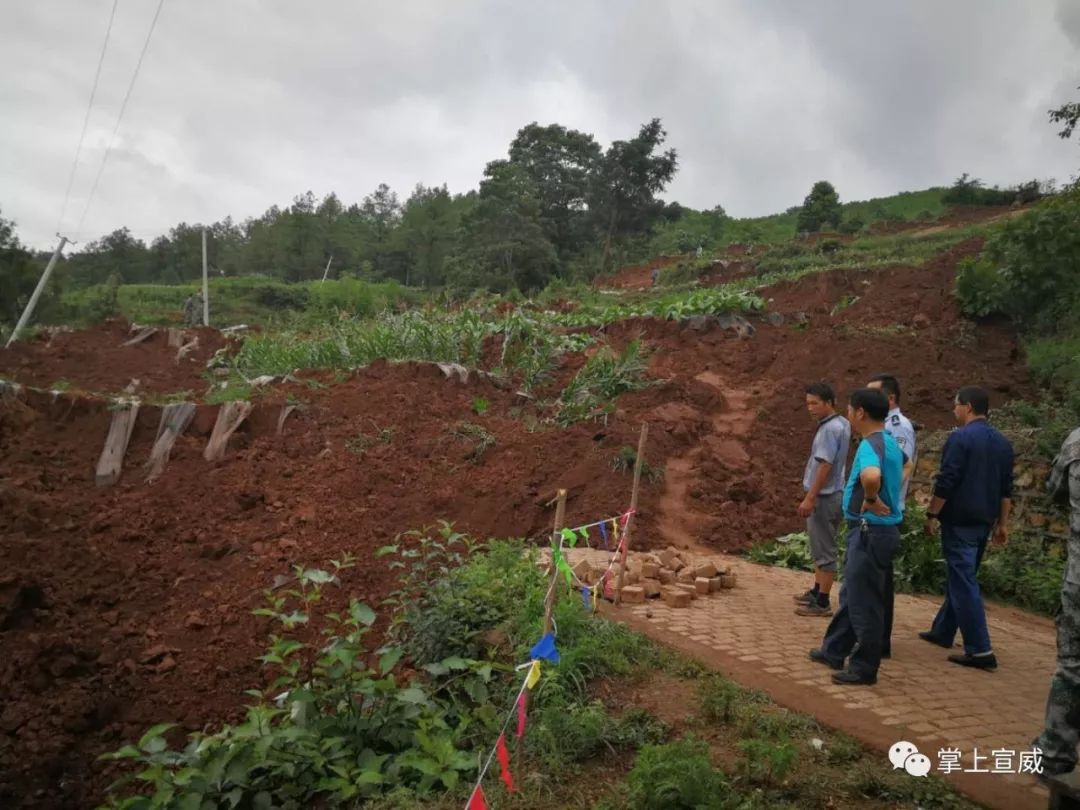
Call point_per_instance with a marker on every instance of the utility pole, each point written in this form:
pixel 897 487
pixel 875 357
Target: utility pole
pixel 205 285
pixel 326 272
pixel 29 310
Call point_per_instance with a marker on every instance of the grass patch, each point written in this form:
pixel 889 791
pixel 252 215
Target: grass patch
pixel 605 375
pixel 479 438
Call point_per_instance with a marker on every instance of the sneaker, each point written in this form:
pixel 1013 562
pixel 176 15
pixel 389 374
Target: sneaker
pixel 806 598
pixel 819 657
pixel 849 678
pixel 814 609
pixel 928 636
pixel 987 662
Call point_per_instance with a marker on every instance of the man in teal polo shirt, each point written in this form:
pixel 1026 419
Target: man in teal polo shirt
pixel 874 511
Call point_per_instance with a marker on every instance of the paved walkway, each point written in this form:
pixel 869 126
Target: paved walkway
pixel 752 634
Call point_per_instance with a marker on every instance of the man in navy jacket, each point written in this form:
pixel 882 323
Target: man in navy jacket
pixel 972 498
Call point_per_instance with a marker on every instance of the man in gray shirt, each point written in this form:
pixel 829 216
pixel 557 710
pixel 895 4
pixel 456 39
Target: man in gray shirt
pixel 823 479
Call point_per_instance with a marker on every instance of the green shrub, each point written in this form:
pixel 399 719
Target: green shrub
pixel 981 289
pixel 1027 571
pixel 604 376
pixel 677 776
pixel 766 762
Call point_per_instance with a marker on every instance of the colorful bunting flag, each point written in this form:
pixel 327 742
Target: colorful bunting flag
pixel 533 676
pixel 521 715
pixel 586 596
pixel 584 532
pixel 477 800
pixel 569 536
pixel 603 533
pixel 545 649
pixel 504 763
pixel 626 518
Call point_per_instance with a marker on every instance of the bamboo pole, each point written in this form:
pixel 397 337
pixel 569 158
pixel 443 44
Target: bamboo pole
pixel 560 518
pixel 639 462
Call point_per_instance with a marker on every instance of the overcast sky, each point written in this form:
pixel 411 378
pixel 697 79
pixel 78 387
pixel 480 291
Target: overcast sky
pixel 242 104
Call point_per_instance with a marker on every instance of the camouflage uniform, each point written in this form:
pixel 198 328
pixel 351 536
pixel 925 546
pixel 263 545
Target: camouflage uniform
pixel 189 311
pixel 1058 742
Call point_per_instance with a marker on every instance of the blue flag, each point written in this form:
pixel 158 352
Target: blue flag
pixel 545 650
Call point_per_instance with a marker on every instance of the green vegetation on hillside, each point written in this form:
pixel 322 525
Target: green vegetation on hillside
pixel 403 718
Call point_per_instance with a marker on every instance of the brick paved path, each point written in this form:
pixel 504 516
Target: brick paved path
pixel 752 634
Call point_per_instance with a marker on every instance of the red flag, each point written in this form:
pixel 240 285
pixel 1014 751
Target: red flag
pixel 504 763
pixel 477 800
pixel 521 715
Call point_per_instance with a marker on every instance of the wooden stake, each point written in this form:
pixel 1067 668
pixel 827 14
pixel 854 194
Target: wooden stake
pixel 549 600
pixel 112 455
pixel 639 462
pixel 145 333
pixel 175 419
pixel 229 418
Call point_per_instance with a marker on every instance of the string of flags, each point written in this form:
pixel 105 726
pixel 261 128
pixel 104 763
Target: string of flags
pixel 543 650
pixel 612 530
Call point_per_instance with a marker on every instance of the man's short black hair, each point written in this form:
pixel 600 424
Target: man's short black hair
pixel 823 391
pixel 871 400
pixel 889 384
pixel 976 397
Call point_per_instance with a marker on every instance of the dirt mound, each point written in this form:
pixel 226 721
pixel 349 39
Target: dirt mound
pixel 96 360
pixel 637 276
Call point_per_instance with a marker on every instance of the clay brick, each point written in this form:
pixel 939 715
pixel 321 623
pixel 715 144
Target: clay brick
pixel 705 570
pixel 651 587
pixel 676 564
pixel 685 576
pixel 666 557
pixel 676 597
pixel 633 594
pixel 716 583
pixel 667 576
pixel 690 588
pixel 702 585
pixel 632 577
pixel 650 570
pixel 727 581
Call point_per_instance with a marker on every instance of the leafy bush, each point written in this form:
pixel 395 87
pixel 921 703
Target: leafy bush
pixel 1027 571
pixel 766 762
pixel 604 376
pixel 981 289
pixel 1036 256
pixel 677 776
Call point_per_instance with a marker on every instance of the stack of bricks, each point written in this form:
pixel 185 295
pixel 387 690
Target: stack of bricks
pixel 673 576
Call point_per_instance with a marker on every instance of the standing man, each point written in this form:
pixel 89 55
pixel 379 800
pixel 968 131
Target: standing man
pixel 1058 741
pixel 189 311
pixel 972 497
pixel 873 512
pixel 823 481
pixel 900 428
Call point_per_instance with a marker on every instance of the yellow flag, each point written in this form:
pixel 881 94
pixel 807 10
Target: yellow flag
pixel 533 676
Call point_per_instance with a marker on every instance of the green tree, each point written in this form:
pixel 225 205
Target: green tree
pixel 19 275
pixel 623 193
pixel 820 208
pixel 428 233
pixel 1068 115
pixel 502 244
pixel 560 163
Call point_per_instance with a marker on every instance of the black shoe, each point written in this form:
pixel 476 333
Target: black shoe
pixel 987 662
pixel 821 658
pixel 928 636
pixel 849 678
pixel 814 609
pixel 807 598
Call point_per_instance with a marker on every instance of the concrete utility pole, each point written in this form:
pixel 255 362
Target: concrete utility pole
pixel 205 285
pixel 29 310
pixel 326 272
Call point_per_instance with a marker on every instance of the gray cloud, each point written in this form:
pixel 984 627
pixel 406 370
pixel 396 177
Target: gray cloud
pixel 245 104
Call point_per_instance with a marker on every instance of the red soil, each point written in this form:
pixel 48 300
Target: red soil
pixel 91 580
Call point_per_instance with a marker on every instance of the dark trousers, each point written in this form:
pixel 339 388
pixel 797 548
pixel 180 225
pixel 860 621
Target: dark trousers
pixel 857 628
pixel 890 597
pixel 963 609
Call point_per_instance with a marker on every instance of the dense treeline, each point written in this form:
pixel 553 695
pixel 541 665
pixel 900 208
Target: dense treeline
pixel 556 207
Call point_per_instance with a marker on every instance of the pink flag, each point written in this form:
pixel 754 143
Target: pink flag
pixel 504 763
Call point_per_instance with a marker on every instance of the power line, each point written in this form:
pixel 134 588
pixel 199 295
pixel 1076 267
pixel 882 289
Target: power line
pixel 86 118
pixel 120 116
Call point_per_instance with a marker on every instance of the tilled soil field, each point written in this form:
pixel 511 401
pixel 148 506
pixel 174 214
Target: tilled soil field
pixel 127 606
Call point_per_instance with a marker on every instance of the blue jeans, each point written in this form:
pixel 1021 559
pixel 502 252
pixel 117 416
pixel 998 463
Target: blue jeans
pixel 857 627
pixel 962 609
